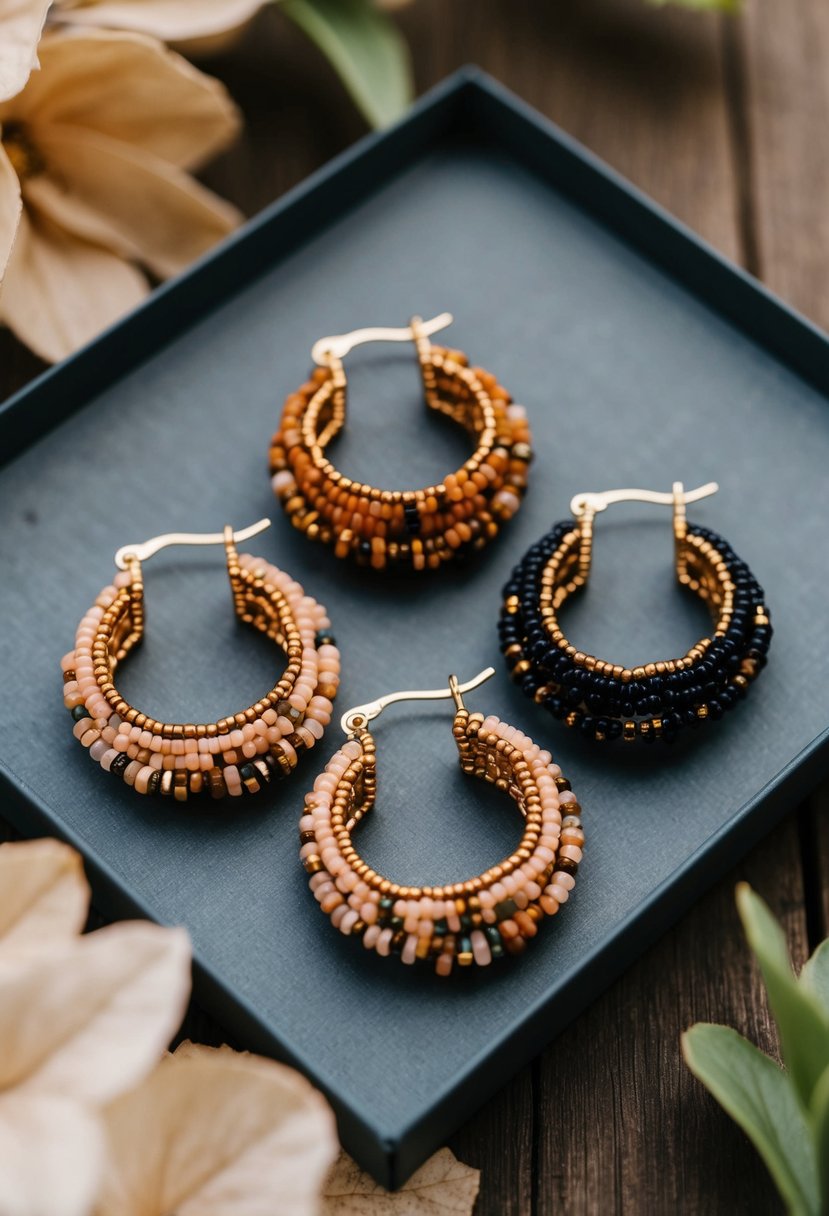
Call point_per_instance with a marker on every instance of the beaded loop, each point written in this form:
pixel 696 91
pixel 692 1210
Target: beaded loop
pixel 237 754
pixel 419 529
pixel 606 701
pixel 463 923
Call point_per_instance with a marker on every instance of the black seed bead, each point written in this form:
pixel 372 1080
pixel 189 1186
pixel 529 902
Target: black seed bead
pixel 153 783
pixel 411 518
pixel 80 711
pixel 567 865
pixel 324 638
pixel 119 763
pixel 273 764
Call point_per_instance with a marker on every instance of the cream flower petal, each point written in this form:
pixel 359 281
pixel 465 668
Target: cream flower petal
pixel 169 20
pixel 9 209
pixel 126 199
pixel 52 1150
pixel 129 87
pixel 89 1018
pixel 60 291
pixel 20 24
pixel 213 1132
pixel 44 895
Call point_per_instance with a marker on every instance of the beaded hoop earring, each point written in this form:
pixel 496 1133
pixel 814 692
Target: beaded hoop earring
pixel 468 922
pixel 238 754
pixel 655 701
pixel 419 529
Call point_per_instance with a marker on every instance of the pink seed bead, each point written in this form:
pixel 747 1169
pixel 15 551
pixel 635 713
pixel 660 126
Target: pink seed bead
pixel 572 851
pixel 480 948
pixel 131 772
pixel 339 914
pixel 143 779
pixel 407 954
pixel 232 780
pixel 349 921
pixel 370 936
pixel 331 902
pixel 108 757
pixel 549 906
pixel 384 942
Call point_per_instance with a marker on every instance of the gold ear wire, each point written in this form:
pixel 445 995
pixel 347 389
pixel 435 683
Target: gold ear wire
pixel 360 716
pixel 586 505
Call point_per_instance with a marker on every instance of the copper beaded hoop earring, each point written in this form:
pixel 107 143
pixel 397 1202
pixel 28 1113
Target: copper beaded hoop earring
pixel 464 923
pixel 238 754
pixel 655 701
pixel 419 529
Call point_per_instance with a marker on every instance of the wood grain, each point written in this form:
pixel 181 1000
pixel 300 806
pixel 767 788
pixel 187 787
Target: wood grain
pixel 720 122
pixel 644 88
pixel 622 1125
pixel 786 98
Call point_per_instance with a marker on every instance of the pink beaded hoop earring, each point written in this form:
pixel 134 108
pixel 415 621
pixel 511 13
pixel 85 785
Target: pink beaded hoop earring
pixel 463 923
pixel 241 753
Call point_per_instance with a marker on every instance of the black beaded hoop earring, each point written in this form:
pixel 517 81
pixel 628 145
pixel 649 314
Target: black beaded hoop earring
pixel 605 700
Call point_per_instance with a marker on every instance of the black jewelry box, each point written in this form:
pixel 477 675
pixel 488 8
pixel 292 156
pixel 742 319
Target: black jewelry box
pixel 643 357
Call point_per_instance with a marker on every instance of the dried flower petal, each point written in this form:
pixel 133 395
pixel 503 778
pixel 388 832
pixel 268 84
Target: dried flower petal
pixel 60 292
pixel 170 20
pixel 90 1017
pixel 44 896
pixel 118 195
pixel 217 1133
pixel 51 1148
pixel 20 24
pixel 10 207
pixel 131 88
pixel 442 1185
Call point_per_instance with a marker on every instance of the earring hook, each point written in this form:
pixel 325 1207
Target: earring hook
pixel 361 715
pixel 595 502
pixel 148 547
pixel 339 345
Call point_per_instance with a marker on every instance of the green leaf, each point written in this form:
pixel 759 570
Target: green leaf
pixel 820 1130
pixel 365 47
pixel 802 1022
pixel 760 1097
pixel 815 974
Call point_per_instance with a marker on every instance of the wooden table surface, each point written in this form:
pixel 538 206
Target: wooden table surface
pixel 724 121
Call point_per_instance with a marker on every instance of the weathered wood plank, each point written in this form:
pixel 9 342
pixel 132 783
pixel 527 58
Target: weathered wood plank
pixel 815 843
pixel 498 1141
pixel 786 99
pixel 643 88
pixel 622 1125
